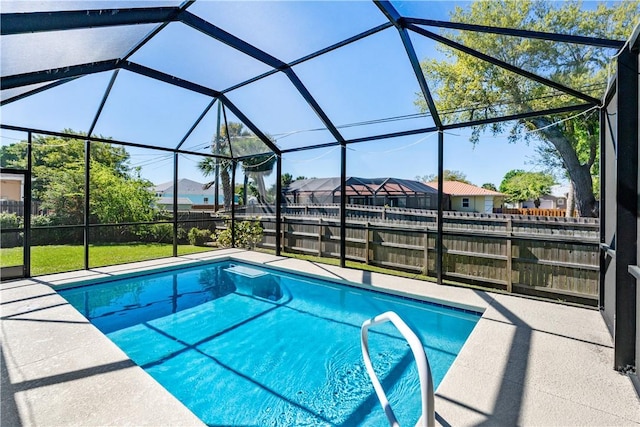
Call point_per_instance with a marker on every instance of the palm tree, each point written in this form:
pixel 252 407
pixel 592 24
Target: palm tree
pixel 261 162
pixel 208 168
pixel 257 168
pixel 243 143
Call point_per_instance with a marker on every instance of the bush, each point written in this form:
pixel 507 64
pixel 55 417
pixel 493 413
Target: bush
pixel 157 233
pixel 248 234
pixel 41 221
pixel 183 236
pixel 10 220
pixel 52 235
pixel 199 237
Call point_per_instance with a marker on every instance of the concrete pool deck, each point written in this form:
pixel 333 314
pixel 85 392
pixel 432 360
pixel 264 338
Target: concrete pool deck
pixel 527 362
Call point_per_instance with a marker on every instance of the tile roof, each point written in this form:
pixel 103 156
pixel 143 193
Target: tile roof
pixel 456 188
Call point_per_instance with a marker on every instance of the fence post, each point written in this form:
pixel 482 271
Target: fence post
pixel 509 256
pixel 284 232
pixel 320 237
pixel 368 238
pixel 426 251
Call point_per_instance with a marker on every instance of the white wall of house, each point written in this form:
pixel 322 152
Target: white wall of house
pixel 483 204
pixel 467 203
pixel 547 202
pixel 488 204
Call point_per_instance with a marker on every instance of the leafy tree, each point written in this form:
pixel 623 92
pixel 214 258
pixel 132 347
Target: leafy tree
pixel 52 154
pixel 286 179
pixel 118 193
pixel 489 91
pixel 115 198
pixel 520 186
pixel 63 194
pixel 447 175
pixel 251 190
pixel 489 186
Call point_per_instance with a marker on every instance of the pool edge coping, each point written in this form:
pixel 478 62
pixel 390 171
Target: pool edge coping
pixel 185 262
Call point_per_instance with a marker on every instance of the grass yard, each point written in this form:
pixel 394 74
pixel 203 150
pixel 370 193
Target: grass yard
pixel 60 258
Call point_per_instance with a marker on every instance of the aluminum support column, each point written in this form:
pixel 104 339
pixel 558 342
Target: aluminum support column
pixel 87 177
pixel 27 209
pixel 234 165
pixel 175 204
pixel 627 210
pixel 603 197
pixel 278 203
pixel 343 206
pixel 439 239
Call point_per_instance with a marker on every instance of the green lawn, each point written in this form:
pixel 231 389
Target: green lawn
pixel 60 258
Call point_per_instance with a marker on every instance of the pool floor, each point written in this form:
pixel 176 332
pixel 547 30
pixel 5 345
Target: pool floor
pixel 269 348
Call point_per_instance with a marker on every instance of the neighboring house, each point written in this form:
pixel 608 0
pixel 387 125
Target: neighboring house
pixel 11 187
pixel 184 204
pixel 192 191
pixel 556 200
pixel 363 191
pixel 469 198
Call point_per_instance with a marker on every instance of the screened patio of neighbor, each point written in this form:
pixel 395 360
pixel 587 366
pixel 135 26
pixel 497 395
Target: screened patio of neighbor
pixel 311 130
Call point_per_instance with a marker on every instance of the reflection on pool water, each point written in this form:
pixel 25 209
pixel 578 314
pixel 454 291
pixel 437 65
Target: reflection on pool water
pixel 246 345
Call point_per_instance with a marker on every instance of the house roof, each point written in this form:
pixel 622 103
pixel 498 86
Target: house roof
pixel 457 188
pixel 313 185
pixel 559 190
pixel 185 186
pixel 361 186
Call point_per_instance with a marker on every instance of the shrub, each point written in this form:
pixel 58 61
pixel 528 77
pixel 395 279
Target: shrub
pixel 10 220
pixel 183 236
pixel 162 233
pixel 248 234
pixel 41 221
pixel 198 237
pixel 49 235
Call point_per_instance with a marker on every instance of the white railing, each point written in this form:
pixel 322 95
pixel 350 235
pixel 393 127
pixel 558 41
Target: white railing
pixel 424 371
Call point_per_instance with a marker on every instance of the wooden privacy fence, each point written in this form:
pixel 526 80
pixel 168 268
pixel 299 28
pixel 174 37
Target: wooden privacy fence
pixel 532 211
pixel 17 207
pixel 551 257
pixel 384 212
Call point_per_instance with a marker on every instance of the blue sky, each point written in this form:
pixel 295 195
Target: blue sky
pixel 369 80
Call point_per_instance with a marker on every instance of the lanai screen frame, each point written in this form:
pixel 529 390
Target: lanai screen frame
pixel 21 23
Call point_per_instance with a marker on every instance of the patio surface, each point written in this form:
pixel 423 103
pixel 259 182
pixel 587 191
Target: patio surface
pixel 527 362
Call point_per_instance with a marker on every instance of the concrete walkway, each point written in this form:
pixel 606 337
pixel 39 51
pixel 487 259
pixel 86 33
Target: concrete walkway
pixel 527 362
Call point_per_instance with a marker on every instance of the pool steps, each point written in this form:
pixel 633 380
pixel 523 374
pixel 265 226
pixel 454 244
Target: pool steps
pixel 424 371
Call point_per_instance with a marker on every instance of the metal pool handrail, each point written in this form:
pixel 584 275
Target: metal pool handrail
pixel 424 371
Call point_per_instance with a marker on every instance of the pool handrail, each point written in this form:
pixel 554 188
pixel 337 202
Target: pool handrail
pixel 427 417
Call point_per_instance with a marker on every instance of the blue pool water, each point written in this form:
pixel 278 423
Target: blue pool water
pixel 244 345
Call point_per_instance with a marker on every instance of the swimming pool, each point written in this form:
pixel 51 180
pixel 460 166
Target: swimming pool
pixel 240 344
